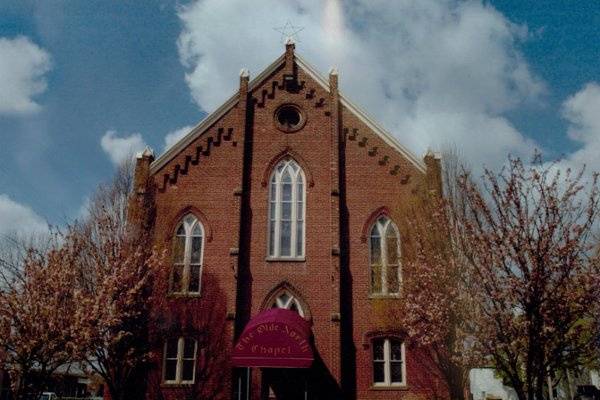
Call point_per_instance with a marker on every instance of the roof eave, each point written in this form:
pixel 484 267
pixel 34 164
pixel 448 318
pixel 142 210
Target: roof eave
pixel 210 119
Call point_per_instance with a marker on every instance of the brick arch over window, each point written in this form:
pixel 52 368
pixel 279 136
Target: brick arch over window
pixel 366 230
pixel 174 223
pixel 286 288
pixel 287 153
pixel 382 333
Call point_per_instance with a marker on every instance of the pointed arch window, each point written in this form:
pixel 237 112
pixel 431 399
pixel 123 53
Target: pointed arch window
pixel 188 249
pixel 288 301
pixel 384 248
pixel 287 198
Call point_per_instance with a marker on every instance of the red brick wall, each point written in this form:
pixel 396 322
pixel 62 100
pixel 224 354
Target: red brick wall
pixel 213 189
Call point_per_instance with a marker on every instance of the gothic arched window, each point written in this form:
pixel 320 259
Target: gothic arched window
pixel 188 247
pixel 289 302
pixel 286 210
pixel 384 247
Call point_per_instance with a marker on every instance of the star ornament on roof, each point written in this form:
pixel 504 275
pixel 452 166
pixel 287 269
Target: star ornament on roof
pixel 289 32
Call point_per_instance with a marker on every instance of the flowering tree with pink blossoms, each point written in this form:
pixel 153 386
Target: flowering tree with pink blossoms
pixel 526 237
pixel 36 307
pixel 503 272
pixel 116 267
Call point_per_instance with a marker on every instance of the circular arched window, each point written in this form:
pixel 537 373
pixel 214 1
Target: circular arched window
pixel 289 118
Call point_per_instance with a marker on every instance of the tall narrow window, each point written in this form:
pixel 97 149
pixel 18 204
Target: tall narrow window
pixel 286 211
pixel 388 362
pixel 187 256
pixel 179 360
pixel 385 257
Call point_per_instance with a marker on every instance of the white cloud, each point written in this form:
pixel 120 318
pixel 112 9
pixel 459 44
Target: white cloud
pixel 432 71
pixel 19 218
pixel 119 149
pixel 174 136
pixel 23 66
pixel 582 112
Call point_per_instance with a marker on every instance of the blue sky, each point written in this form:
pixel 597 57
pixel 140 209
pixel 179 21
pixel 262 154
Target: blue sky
pixel 491 77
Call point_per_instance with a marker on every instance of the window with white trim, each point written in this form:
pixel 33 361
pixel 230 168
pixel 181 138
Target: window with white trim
pixel 384 249
pixel 179 361
pixel 289 302
pixel 389 367
pixel 188 247
pixel 287 200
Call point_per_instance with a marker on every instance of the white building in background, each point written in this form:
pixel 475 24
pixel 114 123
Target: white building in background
pixel 595 378
pixel 486 385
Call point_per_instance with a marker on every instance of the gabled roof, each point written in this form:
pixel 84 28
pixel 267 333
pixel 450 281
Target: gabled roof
pixel 210 119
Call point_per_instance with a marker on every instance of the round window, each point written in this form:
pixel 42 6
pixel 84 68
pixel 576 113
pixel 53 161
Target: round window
pixel 289 118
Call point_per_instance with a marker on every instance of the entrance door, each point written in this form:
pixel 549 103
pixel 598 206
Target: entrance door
pixel 284 384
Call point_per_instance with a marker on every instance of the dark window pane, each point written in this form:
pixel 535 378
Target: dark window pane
pixel 378 349
pixel 286 178
pixel 378 374
pixel 375 250
pixel 194 278
pixel 181 230
pixel 188 370
pixel 272 239
pixel 286 211
pixel 170 370
pixel 196 249
pixel 392 278
pixel 286 192
pixel 392 250
pixel 197 230
pixel 375 231
pixel 189 348
pixel 396 348
pixel 178 249
pixel 172 348
pixel 396 372
pixel 300 190
pixel 376 278
pixel 299 211
pixel 177 278
pixel 299 238
pixel 284 298
pixel 272 211
pixel 286 238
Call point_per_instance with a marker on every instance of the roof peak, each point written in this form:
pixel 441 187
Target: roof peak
pixel 210 119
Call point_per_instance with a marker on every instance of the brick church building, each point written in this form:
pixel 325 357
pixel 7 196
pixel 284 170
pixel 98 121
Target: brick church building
pixel 277 211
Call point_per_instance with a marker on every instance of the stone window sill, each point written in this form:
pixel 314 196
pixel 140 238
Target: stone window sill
pixel 285 259
pixel 389 387
pixel 384 296
pixel 175 385
pixel 183 296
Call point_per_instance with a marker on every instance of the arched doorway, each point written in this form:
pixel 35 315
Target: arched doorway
pixel 286 383
pixel 284 376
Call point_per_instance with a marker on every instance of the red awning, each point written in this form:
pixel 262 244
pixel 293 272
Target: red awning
pixel 275 338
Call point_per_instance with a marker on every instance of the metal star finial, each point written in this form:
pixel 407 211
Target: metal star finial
pixel 289 31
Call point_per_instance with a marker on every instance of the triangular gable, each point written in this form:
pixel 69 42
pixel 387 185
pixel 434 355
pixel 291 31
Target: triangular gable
pixel 210 119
